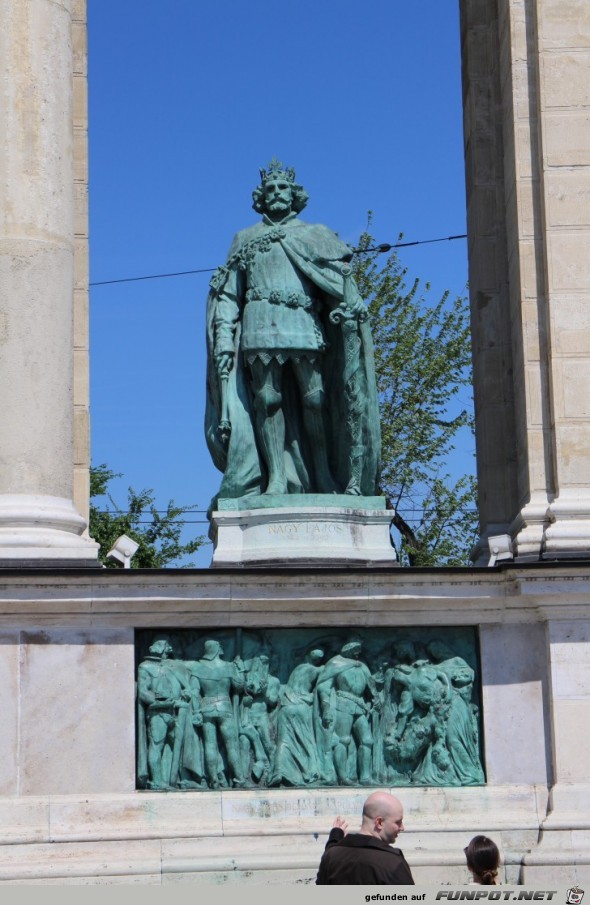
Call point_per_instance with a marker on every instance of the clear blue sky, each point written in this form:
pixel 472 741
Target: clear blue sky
pixel 187 100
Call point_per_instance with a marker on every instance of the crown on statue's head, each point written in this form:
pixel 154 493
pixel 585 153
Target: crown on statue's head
pixel 276 170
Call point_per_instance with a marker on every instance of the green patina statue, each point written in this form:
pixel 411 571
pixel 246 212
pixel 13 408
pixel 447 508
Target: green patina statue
pixel 169 750
pixel 346 691
pixel 291 395
pixel 306 708
pixel 212 682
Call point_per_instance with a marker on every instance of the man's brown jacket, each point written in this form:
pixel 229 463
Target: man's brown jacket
pixel 358 859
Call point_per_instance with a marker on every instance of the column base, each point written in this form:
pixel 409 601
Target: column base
pixel 528 529
pixel 545 530
pixel 322 533
pixel 563 852
pixel 43 530
pixel 568 534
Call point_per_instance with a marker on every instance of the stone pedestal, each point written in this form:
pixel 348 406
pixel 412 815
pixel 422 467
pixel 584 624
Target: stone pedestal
pixel 70 809
pixel 37 515
pixel 303 530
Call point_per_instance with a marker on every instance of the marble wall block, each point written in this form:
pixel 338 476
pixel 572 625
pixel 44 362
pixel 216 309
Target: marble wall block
pixel 513 662
pixel 9 682
pixel 77 702
pixel 570 690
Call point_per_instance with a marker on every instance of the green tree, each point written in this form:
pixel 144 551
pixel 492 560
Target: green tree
pixel 157 532
pixel 423 365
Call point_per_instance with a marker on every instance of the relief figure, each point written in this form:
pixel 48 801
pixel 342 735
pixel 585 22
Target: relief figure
pixel 169 750
pixel 212 680
pixel 346 692
pixel 260 699
pixel 296 756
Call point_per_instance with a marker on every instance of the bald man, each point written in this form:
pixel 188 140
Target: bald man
pixel 367 857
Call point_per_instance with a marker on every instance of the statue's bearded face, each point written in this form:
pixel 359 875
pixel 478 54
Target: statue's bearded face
pixel 278 196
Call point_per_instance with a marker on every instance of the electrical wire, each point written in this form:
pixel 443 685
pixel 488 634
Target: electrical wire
pixel 188 521
pixel 153 276
pixel 380 249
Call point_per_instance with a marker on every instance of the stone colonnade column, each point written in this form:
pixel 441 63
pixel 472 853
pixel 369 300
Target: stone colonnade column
pixel 488 278
pixel 527 147
pixel 38 520
pixel 562 33
pixel 81 268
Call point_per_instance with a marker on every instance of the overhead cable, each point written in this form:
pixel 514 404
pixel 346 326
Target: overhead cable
pixel 380 249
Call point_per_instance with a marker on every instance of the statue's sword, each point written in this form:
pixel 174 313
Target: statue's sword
pixel 345 316
pixel 179 730
pixel 224 426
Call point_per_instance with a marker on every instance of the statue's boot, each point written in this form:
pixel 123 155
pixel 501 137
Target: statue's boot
pixel 243 784
pixel 259 769
pixel 156 780
pixel 353 488
pixel 365 765
pixel 354 485
pixel 159 785
pixel 341 764
pixel 314 427
pixel 272 433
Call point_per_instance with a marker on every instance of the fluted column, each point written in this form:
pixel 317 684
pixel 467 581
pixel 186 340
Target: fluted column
pixel 38 520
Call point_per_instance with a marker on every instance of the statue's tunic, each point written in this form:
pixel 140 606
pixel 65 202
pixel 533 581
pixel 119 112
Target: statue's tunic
pixel 271 299
pixel 280 313
pixel 280 303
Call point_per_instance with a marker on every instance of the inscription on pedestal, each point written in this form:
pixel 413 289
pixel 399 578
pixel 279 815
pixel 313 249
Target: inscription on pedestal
pixel 306 528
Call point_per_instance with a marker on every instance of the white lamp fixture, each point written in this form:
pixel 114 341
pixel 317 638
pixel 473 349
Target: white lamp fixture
pixel 123 550
pixel 501 547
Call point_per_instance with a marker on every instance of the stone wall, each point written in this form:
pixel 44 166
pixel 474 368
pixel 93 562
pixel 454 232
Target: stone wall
pixel 68 797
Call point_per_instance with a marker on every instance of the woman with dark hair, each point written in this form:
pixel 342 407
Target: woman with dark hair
pixel 483 860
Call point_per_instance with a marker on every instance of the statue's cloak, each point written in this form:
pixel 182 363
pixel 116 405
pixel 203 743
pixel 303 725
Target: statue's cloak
pixel 317 252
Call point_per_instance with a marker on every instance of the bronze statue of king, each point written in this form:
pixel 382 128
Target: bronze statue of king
pixel 291 395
